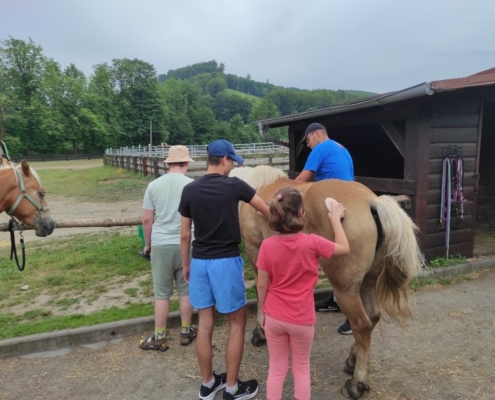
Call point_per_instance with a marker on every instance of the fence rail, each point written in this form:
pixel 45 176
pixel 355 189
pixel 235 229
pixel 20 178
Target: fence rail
pixel 198 150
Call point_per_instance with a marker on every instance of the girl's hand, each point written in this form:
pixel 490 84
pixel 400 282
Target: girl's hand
pixel 334 208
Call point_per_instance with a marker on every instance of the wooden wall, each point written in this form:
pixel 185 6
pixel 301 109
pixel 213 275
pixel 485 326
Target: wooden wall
pixel 453 122
pixel 485 208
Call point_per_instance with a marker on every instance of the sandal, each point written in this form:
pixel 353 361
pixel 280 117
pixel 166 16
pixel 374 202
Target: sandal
pixel 152 343
pixel 187 338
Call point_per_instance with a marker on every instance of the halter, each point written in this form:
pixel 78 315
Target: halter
pixel 25 195
pixel 15 225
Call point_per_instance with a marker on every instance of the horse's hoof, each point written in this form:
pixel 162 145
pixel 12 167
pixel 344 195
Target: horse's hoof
pixel 354 392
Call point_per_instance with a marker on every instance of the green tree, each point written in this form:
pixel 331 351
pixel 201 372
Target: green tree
pixel 138 101
pixel 204 124
pixel 26 113
pixel 180 129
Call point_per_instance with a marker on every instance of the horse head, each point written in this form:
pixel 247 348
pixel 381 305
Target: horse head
pixel 25 199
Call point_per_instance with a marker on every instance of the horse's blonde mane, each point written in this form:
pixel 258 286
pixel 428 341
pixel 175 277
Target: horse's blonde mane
pixel 263 175
pixel 240 172
pixel 11 165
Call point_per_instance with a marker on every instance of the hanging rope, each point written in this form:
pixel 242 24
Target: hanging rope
pixel 458 199
pixel 451 196
pixel 446 202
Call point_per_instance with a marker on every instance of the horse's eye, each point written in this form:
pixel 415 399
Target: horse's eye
pixel 41 194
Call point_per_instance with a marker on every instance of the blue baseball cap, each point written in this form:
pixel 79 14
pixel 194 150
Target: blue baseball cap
pixel 222 148
pixel 315 126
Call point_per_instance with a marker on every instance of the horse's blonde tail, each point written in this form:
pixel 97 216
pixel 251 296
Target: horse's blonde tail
pixel 402 258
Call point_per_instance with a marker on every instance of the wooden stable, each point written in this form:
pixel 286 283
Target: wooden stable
pixel 398 142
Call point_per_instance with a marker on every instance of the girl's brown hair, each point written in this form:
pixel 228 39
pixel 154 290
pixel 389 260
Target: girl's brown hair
pixel 284 211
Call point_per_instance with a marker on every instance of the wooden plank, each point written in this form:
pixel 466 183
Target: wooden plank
pixel 450 119
pixel 385 185
pixel 467 150
pixel 436 165
pixel 396 134
pixel 454 135
pixel 464 249
pixel 433 240
pixel 435 181
pixel 418 134
pixel 457 223
pixel 433 210
pixel 450 104
pixel 434 195
pixel 87 223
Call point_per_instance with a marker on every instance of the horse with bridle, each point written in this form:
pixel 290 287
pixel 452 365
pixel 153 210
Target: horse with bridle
pixel 23 198
pixel 371 280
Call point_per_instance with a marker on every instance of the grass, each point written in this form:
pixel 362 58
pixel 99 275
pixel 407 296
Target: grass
pixel 255 99
pixel 40 321
pixel 100 184
pixel 443 262
pixel 73 270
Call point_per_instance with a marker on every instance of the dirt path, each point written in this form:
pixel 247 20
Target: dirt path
pixel 446 353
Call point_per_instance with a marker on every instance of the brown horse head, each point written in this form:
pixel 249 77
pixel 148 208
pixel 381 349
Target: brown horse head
pixel 23 197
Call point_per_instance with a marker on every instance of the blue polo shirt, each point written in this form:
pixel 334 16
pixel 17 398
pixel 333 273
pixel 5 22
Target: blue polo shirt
pixel 330 160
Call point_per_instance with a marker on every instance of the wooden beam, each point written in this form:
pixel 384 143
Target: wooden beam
pixel 386 185
pixel 396 134
pixel 87 223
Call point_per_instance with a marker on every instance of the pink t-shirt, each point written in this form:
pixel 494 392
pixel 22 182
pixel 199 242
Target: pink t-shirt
pixel 292 266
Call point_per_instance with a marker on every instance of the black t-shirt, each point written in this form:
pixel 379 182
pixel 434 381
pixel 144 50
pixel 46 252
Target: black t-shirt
pixel 212 203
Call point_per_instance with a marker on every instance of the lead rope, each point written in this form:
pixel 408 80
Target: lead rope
pixel 457 197
pixel 13 226
pixel 446 202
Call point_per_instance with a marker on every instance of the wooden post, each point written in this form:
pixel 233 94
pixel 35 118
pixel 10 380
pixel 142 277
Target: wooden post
pixel 156 172
pixel 270 159
pixel 145 167
pixel 134 159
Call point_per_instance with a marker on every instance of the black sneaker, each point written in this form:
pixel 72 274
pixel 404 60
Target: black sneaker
pixel 206 393
pixel 345 328
pixel 327 305
pixel 245 390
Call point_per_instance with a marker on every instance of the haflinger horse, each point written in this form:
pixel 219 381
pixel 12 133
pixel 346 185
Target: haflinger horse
pixel 23 197
pixel 372 278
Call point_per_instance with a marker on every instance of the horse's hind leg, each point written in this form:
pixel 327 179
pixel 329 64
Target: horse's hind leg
pixel 358 361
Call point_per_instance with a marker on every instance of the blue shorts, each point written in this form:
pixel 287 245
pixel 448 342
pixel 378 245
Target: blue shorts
pixel 219 281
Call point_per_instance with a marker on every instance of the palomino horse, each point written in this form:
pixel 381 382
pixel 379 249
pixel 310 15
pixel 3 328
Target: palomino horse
pixel 372 278
pixel 23 197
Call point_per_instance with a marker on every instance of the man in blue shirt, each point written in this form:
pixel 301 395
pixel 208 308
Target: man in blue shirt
pixel 327 160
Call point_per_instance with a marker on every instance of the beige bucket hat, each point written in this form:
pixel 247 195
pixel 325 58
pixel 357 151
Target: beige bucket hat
pixel 178 154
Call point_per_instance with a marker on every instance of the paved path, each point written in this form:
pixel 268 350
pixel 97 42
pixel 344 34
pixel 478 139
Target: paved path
pixel 447 352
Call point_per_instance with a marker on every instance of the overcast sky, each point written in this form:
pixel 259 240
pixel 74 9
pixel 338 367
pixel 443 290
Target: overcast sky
pixel 377 46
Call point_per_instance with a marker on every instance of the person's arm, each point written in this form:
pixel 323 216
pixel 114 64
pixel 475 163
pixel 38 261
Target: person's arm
pixel 262 288
pixel 147 222
pixel 341 243
pixel 305 176
pixel 258 204
pixel 185 245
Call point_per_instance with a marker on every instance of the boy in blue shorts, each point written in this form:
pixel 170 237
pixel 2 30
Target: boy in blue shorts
pixel 215 272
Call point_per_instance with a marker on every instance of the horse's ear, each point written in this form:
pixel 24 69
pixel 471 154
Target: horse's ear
pixel 25 167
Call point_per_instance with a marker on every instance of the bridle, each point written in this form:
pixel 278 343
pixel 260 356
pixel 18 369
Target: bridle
pixel 15 225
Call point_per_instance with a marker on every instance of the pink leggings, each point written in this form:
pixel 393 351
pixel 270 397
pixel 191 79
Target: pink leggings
pixel 280 336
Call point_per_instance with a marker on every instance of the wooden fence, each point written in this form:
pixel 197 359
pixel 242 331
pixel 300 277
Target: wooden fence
pixel 155 165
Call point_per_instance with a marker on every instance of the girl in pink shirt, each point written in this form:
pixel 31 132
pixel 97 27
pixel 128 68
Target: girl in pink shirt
pixel 287 275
